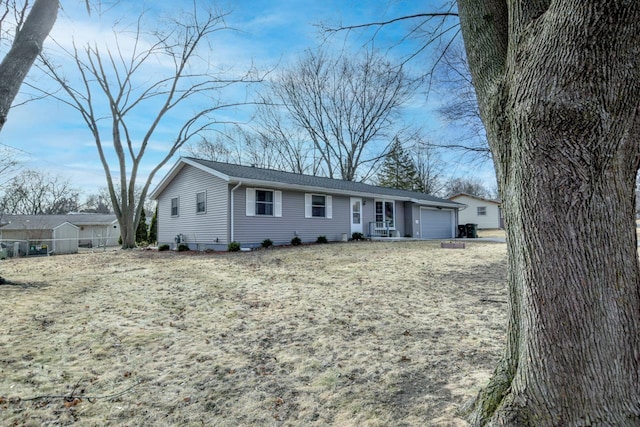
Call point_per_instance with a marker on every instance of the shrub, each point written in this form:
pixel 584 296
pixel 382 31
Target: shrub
pixel 321 239
pixel 183 247
pixel 164 247
pixel 357 236
pixel 267 243
pixel 233 247
pixel 296 241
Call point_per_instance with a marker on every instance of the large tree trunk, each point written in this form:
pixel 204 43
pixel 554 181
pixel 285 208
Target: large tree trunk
pixel 26 47
pixel 559 91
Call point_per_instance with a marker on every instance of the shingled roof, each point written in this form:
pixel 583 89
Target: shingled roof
pixel 255 176
pixel 49 222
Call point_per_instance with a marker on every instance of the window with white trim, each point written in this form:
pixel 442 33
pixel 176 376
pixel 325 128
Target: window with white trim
pixel 263 202
pixel 174 206
pixel 482 210
pixel 201 202
pixel 385 213
pixel 318 206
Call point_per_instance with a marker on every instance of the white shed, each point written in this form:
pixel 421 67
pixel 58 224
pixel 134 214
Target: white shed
pixel 65 239
pixel 486 213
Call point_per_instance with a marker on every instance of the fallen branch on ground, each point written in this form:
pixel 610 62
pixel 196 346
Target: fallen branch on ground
pixel 493 300
pixel 71 397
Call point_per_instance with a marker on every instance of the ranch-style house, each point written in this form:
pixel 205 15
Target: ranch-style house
pixel 206 205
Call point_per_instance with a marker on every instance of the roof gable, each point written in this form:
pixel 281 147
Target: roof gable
pixel 49 222
pixel 461 195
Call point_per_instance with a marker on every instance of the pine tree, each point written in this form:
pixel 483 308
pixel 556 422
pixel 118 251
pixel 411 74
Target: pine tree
pixel 398 169
pixel 141 232
pixel 153 228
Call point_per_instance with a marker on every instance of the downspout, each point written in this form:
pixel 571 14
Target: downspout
pixel 232 221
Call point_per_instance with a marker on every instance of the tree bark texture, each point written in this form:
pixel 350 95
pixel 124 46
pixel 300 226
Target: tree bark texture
pixel 26 47
pixel 558 87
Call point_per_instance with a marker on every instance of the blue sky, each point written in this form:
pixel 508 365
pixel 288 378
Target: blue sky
pixel 52 137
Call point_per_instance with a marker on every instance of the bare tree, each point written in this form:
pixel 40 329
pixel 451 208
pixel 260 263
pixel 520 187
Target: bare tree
pixel 96 203
pixel 558 89
pixel 429 168
pixel 346 106
pixel 110 78
pixel 290 143
pixel 452 79
pixel 9 163
pixel 31 27
pixel 470 186
pixel 559 93
pixel 267 145
pixel 32 193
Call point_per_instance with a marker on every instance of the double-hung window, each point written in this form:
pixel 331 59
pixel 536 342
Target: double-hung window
pixel 482 210
pixel 317 206
pixel 174 206
pixel 263 202
pixel 201 202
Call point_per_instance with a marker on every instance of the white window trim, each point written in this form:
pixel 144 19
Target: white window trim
pixel 484 211
pixel 308 206
pixel 177 207
pixel 251 202
pixel 383 201
pixel 205 202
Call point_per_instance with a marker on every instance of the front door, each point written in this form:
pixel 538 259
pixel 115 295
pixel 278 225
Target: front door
pixel 356 215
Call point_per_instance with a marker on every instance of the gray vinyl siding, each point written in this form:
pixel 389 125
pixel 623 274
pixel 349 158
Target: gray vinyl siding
pixel 252 230
pixel 199 230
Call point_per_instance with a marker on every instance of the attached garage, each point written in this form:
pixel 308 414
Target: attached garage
pixel 437 223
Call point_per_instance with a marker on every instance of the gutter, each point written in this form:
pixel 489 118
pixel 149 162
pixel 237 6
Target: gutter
pixel 231 222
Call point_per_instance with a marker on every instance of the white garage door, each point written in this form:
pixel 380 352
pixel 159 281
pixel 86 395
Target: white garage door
pixel 436 224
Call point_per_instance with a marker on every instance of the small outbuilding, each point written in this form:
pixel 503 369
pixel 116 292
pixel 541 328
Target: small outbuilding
pixel 60 234
pixel 39 234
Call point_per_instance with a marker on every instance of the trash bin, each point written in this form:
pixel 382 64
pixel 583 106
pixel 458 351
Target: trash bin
pixel 462 231
pixel 472 231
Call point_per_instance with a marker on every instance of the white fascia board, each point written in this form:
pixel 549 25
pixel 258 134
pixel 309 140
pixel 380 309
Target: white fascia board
pixel 452 205
pixel 325 190
pixel 205 169
pixel 66 222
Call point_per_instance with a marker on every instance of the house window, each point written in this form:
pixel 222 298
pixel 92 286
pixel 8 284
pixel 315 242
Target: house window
pixel 201 202
pixel 264 202
pixel 482 210
pixel 385 213
pixel 174 206
pixel 318 206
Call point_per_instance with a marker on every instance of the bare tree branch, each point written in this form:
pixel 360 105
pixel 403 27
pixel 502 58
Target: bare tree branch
pixel 111 89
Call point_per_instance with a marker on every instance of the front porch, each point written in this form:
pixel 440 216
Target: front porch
pixel 383 229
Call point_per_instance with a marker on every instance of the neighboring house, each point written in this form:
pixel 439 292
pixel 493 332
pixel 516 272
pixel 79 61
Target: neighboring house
pixel 207 205
pixel 60 233
pixel 486 213
pixel 38 235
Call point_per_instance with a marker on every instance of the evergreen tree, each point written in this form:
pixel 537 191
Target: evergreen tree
pixel 153 228
pixel 399 169
pixel 141 232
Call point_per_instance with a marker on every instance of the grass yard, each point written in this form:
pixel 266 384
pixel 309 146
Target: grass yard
pixel 350 334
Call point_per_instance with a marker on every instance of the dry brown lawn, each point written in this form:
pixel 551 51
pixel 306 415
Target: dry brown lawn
pixel 351 334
